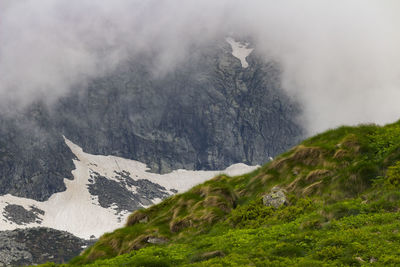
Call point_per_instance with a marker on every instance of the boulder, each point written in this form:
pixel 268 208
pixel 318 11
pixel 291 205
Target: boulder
pixel 156 240
pixel 275 198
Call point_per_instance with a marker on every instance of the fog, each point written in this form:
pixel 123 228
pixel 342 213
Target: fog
pixel 340 59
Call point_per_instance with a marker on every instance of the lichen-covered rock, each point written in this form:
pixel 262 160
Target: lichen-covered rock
pixel 275 198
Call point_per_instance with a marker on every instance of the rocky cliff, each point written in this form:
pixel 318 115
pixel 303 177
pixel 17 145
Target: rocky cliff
pixel 207 113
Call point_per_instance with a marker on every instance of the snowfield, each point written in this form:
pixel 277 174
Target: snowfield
pixel 79 212
pixel 240 50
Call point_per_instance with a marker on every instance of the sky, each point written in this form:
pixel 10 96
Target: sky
pixel 340 59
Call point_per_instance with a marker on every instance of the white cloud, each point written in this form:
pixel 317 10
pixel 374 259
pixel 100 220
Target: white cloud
pixel 340 59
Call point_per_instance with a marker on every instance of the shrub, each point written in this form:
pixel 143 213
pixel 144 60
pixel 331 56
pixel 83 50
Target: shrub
pixel 254 214
pixel 393 174
pixel 330 253
pixel 288 250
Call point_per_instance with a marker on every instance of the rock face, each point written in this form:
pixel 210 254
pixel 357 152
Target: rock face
pixel 38 245
pixel 112 193
pixel 19 215
pixel 275 198
pixel 34 158
pixel 206 113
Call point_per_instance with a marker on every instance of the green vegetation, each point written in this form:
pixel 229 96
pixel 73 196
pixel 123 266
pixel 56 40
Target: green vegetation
pixel 344 198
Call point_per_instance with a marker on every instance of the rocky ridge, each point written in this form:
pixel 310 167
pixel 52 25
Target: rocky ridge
pixel 204 114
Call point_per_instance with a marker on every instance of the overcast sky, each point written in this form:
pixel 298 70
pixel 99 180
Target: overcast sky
pixel 340 59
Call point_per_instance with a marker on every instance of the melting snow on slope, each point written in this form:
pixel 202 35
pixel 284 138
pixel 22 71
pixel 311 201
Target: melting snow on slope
pixel 240 50
pixel 77 211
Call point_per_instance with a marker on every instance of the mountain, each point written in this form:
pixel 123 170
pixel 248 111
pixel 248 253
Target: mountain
pixel 130 138
pixel 332 200
pixel 206 113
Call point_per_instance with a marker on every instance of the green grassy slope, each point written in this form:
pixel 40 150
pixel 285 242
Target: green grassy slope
pixel 343 192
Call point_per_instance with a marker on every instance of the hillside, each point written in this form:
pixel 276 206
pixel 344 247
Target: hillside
pixel 341 208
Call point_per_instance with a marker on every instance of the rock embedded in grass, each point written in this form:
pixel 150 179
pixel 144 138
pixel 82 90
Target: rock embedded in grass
pixel 275 198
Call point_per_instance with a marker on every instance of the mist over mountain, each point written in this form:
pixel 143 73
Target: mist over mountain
pixel 338 59
pixel 206 114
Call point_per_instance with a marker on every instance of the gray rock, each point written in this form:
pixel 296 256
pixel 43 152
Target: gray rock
pixel 275 198
pixel 206 113
pixel 20 215
pixel 38 245
pixel 12 251
pixel 115 194
pixel 156 240
pixel 34 160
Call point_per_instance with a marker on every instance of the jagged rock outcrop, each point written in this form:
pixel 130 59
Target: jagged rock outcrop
pixel 207 113
pixel 38 245
pixel 34 158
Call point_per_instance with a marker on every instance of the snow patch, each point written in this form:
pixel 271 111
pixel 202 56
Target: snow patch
pixel 78 212
pixel 240 50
